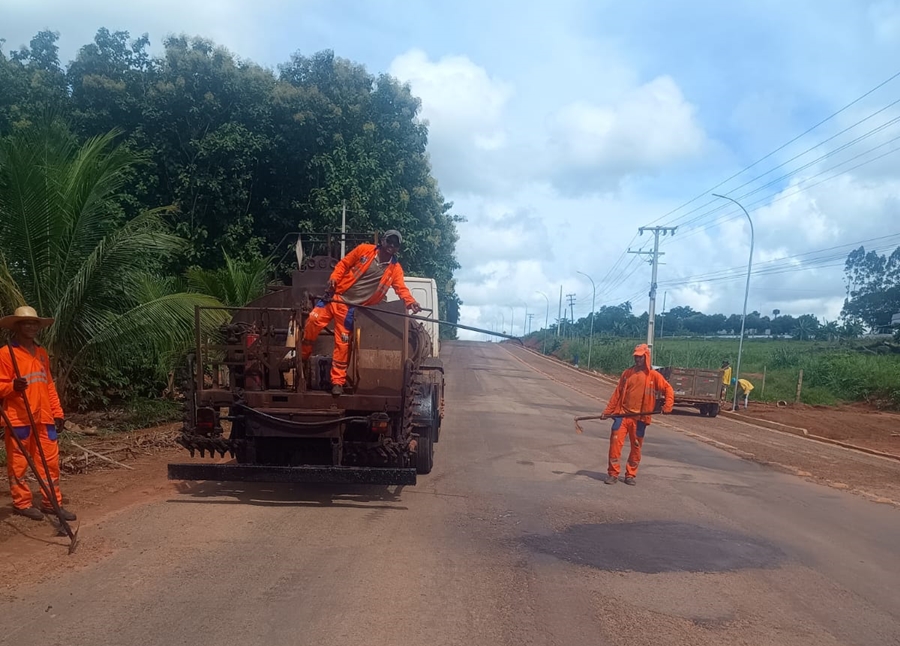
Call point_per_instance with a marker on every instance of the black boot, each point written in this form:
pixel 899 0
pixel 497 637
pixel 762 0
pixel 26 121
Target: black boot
pixel 337 390
pixel 29 512
pixel 65 513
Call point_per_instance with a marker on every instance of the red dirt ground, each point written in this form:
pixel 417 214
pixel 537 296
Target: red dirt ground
pixel 852 423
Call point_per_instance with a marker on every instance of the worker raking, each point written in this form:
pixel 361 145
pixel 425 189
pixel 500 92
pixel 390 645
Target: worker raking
pixel 640 393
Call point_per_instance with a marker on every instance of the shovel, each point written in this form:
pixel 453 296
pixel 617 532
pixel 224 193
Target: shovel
pixel 46 487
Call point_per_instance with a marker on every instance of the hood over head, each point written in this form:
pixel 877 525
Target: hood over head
pixel 643 350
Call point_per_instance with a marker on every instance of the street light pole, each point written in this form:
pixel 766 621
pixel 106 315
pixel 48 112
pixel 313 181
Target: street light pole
pixel 546 324
pixel 512 315
pixel 737 371
pixel 593 301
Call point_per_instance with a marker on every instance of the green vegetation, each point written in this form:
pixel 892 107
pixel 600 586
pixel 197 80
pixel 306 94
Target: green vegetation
pixel 833 372
pixel 133 187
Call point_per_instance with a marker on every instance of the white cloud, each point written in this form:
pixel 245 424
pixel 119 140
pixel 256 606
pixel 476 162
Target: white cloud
pixel 465 109
pixel 597 145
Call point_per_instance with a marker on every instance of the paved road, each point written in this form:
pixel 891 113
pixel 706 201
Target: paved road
pixel 511 540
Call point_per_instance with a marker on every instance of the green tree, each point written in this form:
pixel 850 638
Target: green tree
pixel 67 250
pixel 873 287
pixel 235 284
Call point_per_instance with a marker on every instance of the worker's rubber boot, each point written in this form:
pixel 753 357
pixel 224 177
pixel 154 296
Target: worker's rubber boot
pixel 29 512
pixel 337 390
pixel 630 481
pixel 65 513
pixel 611 480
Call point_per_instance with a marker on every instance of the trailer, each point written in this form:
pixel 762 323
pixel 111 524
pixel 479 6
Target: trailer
pixel 696 388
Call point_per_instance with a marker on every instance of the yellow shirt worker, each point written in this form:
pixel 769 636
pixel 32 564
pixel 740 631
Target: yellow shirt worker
pixel 745 387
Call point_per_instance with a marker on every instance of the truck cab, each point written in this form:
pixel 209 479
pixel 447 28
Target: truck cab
pixel 424 290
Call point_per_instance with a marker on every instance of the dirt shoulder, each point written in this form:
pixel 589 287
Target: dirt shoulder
pixel 94 493
pixel 856 424
pixel 876 478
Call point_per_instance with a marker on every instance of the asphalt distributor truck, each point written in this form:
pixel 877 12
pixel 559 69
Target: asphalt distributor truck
pixel 250 396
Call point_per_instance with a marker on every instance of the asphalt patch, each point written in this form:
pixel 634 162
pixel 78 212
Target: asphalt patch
pixel 654 547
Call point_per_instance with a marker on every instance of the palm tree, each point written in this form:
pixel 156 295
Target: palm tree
pixel 67 249
pixel 235 284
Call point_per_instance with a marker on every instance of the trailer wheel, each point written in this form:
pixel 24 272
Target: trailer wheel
pixel 713 410
pixel 424 453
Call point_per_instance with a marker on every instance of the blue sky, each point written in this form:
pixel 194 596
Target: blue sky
pixel 559 128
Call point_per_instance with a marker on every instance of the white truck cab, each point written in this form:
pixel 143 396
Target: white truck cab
pixel 424 290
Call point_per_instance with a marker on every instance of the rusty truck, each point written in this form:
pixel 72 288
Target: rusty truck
pixel 251 397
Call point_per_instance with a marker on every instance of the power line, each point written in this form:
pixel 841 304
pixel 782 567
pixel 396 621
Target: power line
pixel 780 148
pixel 784 264
pixel 865 135
pixel 799 188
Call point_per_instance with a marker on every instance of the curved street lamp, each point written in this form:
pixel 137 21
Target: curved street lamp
pixel 737 371
pixel 593 300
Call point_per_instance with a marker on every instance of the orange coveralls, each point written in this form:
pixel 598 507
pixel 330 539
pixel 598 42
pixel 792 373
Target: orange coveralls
pixel 46 409
pixel 345 274
pixel 637 392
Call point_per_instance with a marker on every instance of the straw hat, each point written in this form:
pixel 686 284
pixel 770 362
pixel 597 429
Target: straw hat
pixel 24 313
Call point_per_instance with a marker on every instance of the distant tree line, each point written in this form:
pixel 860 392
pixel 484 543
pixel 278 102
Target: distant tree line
pixel 873 298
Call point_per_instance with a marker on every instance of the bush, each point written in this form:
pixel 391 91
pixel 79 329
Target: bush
pixel 832 372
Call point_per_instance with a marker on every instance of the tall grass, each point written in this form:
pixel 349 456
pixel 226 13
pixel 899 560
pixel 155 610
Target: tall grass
pixel 832 372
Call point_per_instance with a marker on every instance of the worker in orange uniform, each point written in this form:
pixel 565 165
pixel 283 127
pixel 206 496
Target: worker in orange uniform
pixel 37 382
pixel 630 406
pixel 362 277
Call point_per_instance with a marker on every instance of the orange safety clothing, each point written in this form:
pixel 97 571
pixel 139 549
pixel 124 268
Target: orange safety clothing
pixel 633 429
pixel 639 389
pixel 41 391
pixel 355 264
pixel 348 270
pixel 319 318
pixel 46 408
pixel 17 465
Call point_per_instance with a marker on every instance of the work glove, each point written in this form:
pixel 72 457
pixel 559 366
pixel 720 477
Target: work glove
pixel 20 385
pixel 60 424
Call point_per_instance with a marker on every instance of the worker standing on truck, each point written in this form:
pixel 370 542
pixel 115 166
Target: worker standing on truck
pixel 745 387
pixel 726 379
pixel 30 374
pixel 362 277
pixel 631 406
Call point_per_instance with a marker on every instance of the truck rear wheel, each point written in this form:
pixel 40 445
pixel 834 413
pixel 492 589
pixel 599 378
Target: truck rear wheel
pixel 424 453
pixel 712 410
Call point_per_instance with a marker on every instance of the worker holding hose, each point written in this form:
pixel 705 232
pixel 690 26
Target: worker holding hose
pixel 362 277
pixel 25 369
pixel 631 406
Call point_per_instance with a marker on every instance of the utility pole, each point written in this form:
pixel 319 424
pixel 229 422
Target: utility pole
pixel 571 298
pixel 651 321
pixel 559 320
pixel 530 316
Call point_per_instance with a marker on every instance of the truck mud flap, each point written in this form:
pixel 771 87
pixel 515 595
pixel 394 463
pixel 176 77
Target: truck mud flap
pixel 302 474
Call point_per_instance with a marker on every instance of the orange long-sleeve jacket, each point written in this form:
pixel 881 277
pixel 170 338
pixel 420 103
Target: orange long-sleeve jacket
pixel 42 395
pixel 638 391
pixel 355 264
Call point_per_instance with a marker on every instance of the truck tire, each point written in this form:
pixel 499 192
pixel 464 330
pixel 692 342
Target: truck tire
pixel 424 454
pixel 713 410
pixel 436 414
